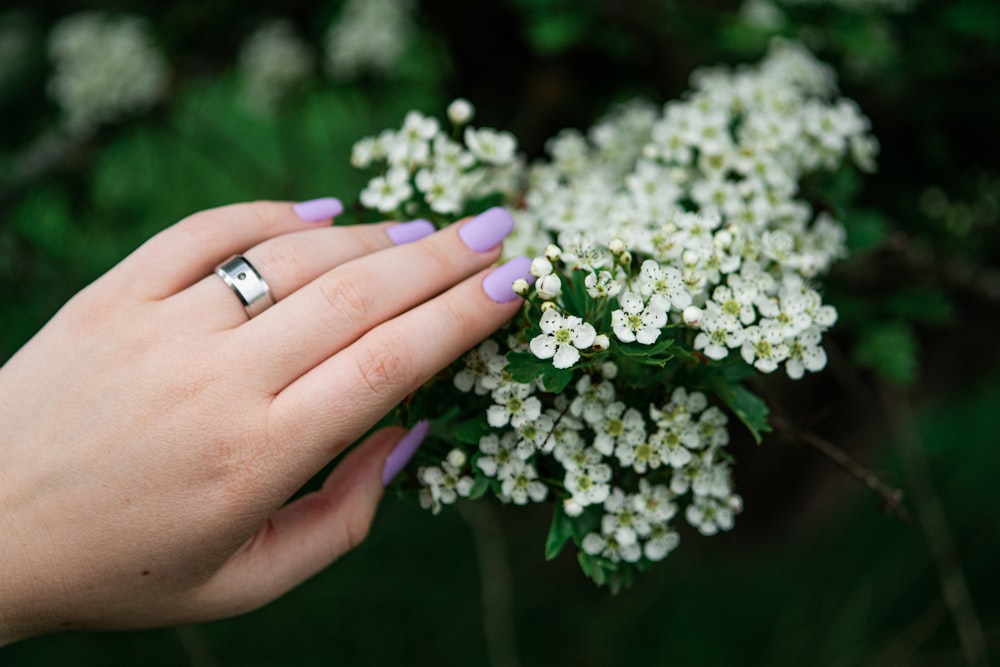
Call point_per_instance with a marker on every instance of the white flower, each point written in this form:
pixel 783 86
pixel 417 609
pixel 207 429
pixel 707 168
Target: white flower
pixel 622 520
pixel 483 366
pixel 662 540
pixel 654 502
pixel 413 141
pixel 513 406
pixel 499 454
pixel 805 354
pixel 491 146
pixel 588 484
pixel 562 338
pixel 442 189
pixel 442 485
pixel 618 424
pixel 636 322
pixel 591 398
pixel 608 547
pixel 710 515
pixel 603 285
pixel 763 347
pixel 460 111
pixel 663 286
pixel 387 193
pixel 520 483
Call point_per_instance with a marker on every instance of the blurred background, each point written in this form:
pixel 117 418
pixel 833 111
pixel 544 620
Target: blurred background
pixel 120 120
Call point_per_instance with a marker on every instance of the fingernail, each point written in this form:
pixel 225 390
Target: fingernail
pixel 487 229
pixel 404 451
pixel 411 231
pixel 499 284
pixel 316 210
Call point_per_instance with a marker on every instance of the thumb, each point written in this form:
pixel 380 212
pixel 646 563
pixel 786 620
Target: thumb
pixel 308 534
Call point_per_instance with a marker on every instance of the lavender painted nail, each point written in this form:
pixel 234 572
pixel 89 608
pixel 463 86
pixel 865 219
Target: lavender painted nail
pixel 487 229
pixel 498 284
pixel 411 231
pixel 316 210
pixel 404 451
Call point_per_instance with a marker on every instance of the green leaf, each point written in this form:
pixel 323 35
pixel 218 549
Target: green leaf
pixel 470 432
pixel 479 487
pixel 555 379
pixel 651 355
pixel 525 367
pixel 560 532
pixel 574 297
pixel 747 406
pixel 591 567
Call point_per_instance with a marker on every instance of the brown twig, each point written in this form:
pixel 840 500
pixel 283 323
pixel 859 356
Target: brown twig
pixel 890 497
pixel 934 522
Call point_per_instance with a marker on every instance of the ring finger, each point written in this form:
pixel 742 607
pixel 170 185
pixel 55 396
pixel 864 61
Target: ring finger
pixel 288 262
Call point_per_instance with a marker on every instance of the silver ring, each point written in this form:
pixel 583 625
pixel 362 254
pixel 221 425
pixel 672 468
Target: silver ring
pixel 248 284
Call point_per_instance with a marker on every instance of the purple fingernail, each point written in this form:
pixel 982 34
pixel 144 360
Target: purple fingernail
pixel 316 210
pixel 487 229
pixel 404 451
pixel 499 284
pixel 411 231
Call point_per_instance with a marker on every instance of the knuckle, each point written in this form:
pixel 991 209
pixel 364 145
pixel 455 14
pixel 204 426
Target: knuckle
pixel 384 371
pixel 461 319
pixel 344 297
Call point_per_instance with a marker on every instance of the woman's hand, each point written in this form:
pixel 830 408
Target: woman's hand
pixel 151 433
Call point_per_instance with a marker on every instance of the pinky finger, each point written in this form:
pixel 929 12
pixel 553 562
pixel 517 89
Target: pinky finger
pixel 308 534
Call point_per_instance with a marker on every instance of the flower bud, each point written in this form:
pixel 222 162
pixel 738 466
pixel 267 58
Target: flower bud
pixel 461 111
pixel 572 508
pixel 553 252
pixel 609 370
pixel 548 287
pixel 617 246
pixel 689 257
pixel 601 342
pixel 692 316
pixel 540 267
pixel 548 305
pixel 625 259
pixel 723 239
pixel 457 458
pixel 520 287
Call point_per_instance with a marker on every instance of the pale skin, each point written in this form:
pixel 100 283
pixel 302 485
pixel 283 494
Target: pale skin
pixel 151 434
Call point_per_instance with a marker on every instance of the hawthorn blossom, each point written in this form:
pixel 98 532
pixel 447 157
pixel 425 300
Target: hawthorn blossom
pixel 562 338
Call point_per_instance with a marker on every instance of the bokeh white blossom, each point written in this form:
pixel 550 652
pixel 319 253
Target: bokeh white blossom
pixel 105 68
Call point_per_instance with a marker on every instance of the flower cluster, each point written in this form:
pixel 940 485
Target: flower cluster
pixel 420 161
pixel 370 36
pixel 675 254
pixel 105 67
pixel 272 61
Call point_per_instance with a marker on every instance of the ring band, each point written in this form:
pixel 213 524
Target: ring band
pixel 248 284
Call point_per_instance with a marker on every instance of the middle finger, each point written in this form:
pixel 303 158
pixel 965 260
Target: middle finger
pixel 337 308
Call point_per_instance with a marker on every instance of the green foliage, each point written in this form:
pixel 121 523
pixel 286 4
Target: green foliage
pixel 890 350
pixel 747 406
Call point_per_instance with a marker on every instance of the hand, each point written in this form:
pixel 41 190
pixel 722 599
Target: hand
pixel 151 433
